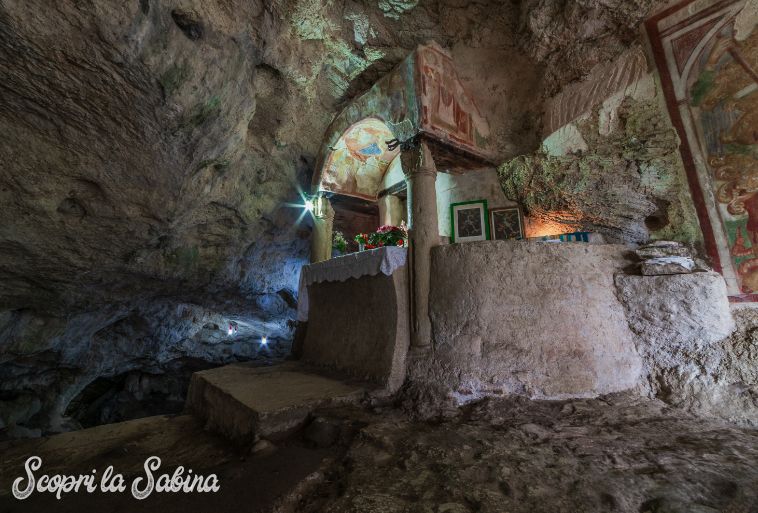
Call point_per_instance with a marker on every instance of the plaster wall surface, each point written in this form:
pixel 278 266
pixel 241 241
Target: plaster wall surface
pixel 538 319
pixel 454 188
pixel 475 185
pixel 360 326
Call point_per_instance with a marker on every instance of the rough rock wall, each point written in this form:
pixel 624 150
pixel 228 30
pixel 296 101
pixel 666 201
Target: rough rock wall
pixel 616 171
pixel 609 161
pixel 149 148
pixel 570 37
pixel 696 355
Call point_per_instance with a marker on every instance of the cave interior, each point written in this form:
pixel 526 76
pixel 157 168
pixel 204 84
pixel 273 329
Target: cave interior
pixel 380 255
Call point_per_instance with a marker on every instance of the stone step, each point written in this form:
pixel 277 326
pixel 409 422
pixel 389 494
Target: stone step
pixel 242 402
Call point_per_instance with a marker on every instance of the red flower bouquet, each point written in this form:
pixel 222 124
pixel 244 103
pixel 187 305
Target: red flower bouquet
pixel 386 235
pixel 389 235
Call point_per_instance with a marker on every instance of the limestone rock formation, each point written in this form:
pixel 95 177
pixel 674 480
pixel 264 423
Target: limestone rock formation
pixel 626 183
pixel 572 36
pixel 667 265
pixel 151 148
pixel 609 162
pixel 618 453
pixel 149 151
pixel 696 357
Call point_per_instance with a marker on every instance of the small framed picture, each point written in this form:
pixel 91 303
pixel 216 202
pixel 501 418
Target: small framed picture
pixel 469 221
pixel 506 223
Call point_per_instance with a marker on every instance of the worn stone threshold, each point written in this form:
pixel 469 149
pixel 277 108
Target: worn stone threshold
pixel 243 403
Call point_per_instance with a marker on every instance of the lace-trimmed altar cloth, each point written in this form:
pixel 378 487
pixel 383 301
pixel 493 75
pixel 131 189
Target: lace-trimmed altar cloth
pixel 354 265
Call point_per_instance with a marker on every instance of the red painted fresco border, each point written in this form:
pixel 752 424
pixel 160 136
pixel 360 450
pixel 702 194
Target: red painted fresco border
pixel 698 198
pixel 701 14
pixel 744 298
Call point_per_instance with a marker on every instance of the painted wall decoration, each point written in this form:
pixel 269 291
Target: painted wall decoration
pixel 358 162
pixel 469 221
pixel 603 81
pixel 391 101
pixel 423 94
pixel 447 109
pixel 707 53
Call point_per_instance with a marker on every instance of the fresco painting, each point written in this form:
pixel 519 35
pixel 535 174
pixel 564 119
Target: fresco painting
pixel 359 160
pixel 709 70
pixel 391 104
pixel 423 94
pixel 447 109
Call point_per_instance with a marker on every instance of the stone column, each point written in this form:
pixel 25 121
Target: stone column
pixel 390 210
pixel 421 175
pixel 323 224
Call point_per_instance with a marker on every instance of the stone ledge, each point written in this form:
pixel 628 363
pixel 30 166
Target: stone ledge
pixel 241 402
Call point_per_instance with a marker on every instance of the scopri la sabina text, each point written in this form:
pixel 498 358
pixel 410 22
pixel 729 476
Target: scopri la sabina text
pixel 141 487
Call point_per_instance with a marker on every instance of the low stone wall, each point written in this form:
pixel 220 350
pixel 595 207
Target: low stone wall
pixel 538 319
pixel 360 326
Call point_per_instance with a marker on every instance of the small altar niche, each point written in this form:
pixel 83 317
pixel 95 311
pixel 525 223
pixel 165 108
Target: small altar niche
pixel 360 172
pixel 365 185
pixel 476 314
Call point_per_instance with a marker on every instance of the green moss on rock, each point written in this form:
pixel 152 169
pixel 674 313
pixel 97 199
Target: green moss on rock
pixel 616 184
pixel 201 112
pixel 174 77
pixel 184 258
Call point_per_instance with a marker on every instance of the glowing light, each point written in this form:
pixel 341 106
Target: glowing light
pixel 553 224
pixel 308 206
pixel 264 341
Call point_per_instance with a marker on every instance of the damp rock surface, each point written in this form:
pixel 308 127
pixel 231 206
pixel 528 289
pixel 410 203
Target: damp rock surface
pixel 617 453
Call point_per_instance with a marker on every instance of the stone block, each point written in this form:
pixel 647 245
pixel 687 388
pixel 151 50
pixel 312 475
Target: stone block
pixel 659 249
pixel 360 327
pixel 667 265
pixel 242 403
pixel 681 310
pixel 523 317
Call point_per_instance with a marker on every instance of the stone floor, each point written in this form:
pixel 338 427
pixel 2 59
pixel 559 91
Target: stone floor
pixel 615 454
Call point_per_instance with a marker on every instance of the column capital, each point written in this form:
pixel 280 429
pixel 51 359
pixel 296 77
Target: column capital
pixel 418 161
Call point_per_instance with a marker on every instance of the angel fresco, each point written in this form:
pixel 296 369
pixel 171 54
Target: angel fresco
pixel 726 94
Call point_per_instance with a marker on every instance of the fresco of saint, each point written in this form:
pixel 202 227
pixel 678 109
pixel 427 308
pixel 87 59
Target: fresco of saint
pixel 726 96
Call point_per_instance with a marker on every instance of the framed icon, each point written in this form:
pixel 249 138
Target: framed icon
pixel 506 223
pixel 469 221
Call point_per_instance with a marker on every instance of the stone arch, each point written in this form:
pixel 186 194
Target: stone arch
pixel 357 163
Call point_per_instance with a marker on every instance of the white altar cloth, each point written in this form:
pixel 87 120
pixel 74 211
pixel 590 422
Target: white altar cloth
pixel 354 265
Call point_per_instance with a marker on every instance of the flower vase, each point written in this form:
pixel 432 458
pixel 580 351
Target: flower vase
pixel 361 246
